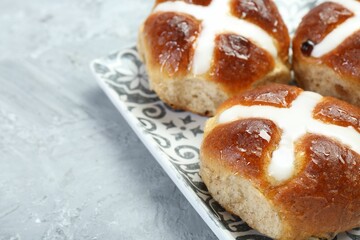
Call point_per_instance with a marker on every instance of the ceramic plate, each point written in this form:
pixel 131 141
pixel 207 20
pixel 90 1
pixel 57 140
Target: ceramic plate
pixel 174 137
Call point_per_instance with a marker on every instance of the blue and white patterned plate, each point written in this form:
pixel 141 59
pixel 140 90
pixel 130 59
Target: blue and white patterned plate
pixel 174 137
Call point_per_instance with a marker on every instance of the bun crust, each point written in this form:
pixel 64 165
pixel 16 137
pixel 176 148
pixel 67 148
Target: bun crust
pixel 321 197
pixel 335 73
pixel 169 42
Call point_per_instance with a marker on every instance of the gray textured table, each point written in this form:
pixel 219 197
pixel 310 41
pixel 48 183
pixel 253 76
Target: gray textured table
pixel 70 167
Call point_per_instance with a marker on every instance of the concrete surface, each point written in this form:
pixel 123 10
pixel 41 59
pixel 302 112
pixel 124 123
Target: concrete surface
pixel 70 167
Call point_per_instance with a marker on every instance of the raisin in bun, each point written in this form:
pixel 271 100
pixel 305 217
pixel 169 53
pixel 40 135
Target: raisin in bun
pixel 326 49
pixel 200 52
pixel 286 161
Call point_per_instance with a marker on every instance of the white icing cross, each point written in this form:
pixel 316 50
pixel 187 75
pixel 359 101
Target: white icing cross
pixel 342 31
pixel 216 18
pixel 294 122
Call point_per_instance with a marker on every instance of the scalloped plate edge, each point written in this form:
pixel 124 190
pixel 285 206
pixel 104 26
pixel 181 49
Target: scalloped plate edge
pixel 170 170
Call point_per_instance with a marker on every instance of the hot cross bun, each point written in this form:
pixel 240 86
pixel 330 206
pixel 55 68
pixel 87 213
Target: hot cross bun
pixel 198 53
pixel 326 49
pixel 286 161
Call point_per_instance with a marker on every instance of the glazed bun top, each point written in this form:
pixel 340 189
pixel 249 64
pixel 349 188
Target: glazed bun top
pixel 285 116
pixel 330 34
pixel 226 40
